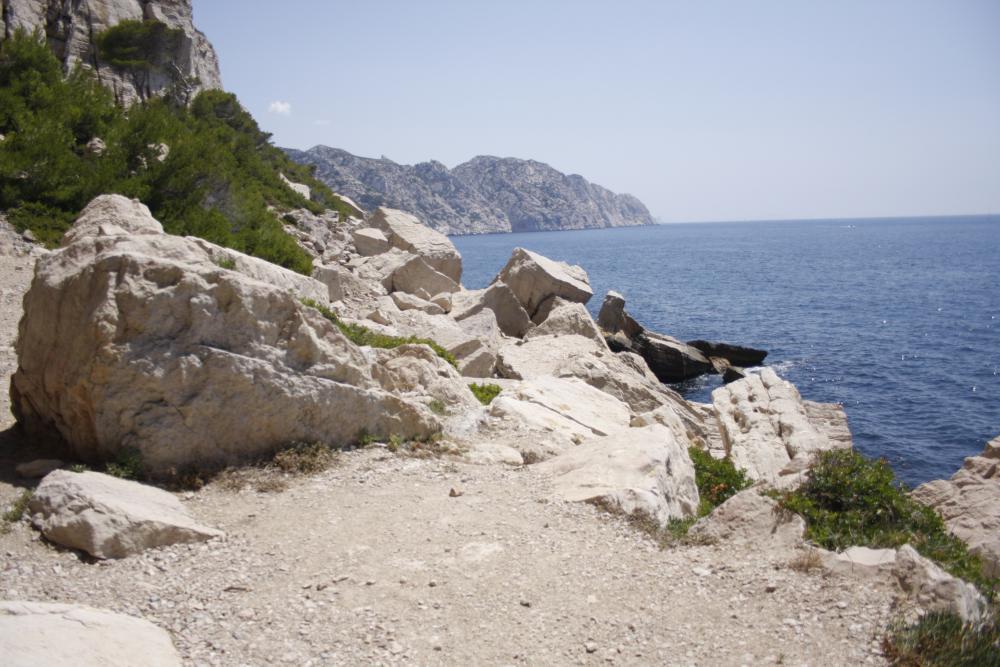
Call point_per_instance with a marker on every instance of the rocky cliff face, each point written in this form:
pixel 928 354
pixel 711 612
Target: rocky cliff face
pixel 72 25
pixel 485 194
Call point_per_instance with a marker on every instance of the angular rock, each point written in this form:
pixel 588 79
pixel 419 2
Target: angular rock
pixel 534 278
pixel 969 503
pixel 557 316
pixel 321 235
pixel 765 425
pixel 416 372
pixel 406 301
pixel 751 518
pixel 443 300
pixel 638 471
pixel 416 275
pixel 109 517
pixel 668 358
pixel 511 317
pixel 299 188
pixel 144 342
pixel 933 589
pixel 860 561
pixel 108 215
pixel 405 232
pixel 341 284
pixel 43 633
pixel 370 241
pixel 736 355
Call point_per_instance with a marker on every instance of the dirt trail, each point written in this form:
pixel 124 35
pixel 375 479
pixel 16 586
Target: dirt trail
pixel 374 561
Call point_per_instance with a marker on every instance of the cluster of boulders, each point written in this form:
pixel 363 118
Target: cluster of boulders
pixel 196 356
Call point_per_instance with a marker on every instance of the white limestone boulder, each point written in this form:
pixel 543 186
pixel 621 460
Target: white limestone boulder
pixel 109 517
pixel 534 278
pixel 416 276
pixel 404 231
pixel 44 633
pixel 370 241
pixel 145 342
pixel 511 317
pixel 406 301
pixel 932 589
pixel 749 518
pixel 559 317
pixel 638 471
pixel 299 188
pixel 765 426
pixel 969 503
pixel 110 215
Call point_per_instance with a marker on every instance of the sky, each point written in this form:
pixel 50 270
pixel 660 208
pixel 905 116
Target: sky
pixel 740 110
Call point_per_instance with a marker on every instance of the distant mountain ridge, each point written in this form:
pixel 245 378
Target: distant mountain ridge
pixel 484 195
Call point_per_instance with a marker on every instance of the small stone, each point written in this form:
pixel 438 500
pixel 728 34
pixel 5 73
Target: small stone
pixel 701 571
pixel 770 588
pixel 455 493
pixel 525 603
pixel 590 647
pixel 432 583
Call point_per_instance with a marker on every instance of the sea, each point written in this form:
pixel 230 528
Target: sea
pixel 896 319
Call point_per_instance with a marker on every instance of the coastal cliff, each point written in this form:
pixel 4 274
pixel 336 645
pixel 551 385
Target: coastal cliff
pixel 187 61
pixel 484 195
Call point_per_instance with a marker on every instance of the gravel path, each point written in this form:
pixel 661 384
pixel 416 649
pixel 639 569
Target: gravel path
pixel 375 562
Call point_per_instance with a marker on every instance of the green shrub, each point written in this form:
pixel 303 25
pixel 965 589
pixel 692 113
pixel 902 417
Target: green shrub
pixel 485 392
pixel 717 479
pixel 16 511
pixel 128 464
pixel 138 45
pixel 361 335
pixel 850 500
pixel 218 182
pixel 943 640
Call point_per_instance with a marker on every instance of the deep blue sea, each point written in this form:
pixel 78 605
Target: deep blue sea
pixel 898 320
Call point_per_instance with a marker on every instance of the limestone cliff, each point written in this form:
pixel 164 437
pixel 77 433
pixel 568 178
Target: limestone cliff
pixel 484 195
pixel 71 27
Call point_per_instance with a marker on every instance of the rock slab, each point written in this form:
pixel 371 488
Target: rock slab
pixel 41 633
pixel 109 517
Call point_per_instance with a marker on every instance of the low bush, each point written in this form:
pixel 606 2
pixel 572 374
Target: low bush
pixel 127 464
pixel 943 640
pixel 485 392
pixel 361 335
pixel 717 479
pixel 851 500
pixel 16 511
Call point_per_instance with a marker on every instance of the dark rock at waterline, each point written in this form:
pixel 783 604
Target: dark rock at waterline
pixel 737 355
pixel 670 359
pixel 728 372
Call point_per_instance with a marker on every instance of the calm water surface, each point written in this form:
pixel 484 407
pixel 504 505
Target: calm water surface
pixel 899 320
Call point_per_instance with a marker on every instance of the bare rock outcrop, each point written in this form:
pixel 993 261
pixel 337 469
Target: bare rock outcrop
pixel 559 317
pixel 933 589
pixel 405 232
pixel 44 633
pixel 144 342
pixel 535 278
pixel 498 297
pixel 637 471
pixel 969 503
pixel 751 518
pixel 109 517
pixel 70 28
pixel 767 428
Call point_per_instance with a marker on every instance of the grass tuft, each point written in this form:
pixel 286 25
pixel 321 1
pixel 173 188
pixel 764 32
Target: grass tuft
pixel 361 335
pixel 16 511
pixel 485 392
pixel 941 639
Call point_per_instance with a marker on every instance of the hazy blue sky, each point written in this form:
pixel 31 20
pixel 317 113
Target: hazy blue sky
pixel 705 110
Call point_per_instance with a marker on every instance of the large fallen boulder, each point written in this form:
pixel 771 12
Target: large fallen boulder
pixel 535 278
pixel 638 471
pixel 417 276
pixel 969 503
pixel 767 429
pixel 933 589
pixel 559 317
pixel 43 633
pixel 405 232
pixel 511 317
pixel 109 517
pixel 145 342
pixel 736 355
pixel 668 358
pixel 369 241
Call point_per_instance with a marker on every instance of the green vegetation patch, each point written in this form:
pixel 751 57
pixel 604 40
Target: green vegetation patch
pixel 361 335
pixel 851 500
pixel 717 479
pixel 138 45
pixel 485 392
pixel 218 181
pixel 943 640
pixel 16 511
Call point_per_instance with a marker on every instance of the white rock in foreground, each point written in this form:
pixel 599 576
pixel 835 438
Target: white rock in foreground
pixel 143 341
pixel 749 517
pixel 37 633
pixel 109 517
pixel 370 241
pixel 933 589
pixel 637 471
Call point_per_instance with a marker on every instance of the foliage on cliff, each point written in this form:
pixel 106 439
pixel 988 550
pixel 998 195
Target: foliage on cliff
pixel 217 178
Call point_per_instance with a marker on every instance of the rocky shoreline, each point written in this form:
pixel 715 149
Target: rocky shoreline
pixel 183 358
